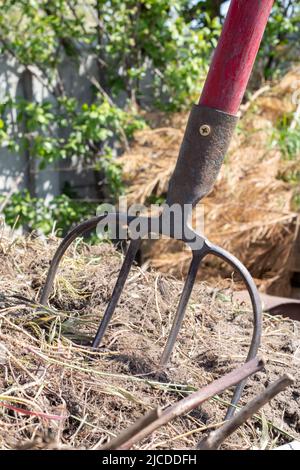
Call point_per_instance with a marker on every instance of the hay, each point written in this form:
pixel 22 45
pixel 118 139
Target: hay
pixel 55 392
pixel 249 211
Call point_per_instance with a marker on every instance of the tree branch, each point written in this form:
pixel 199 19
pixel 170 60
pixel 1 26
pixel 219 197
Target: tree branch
pixel 215 439
pixel 138 426
pixel 194 400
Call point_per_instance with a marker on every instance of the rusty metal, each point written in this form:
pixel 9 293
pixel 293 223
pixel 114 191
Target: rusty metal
pixel 200 159
pixel 284 306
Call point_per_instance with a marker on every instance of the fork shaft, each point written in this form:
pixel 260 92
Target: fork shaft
pixel 235 54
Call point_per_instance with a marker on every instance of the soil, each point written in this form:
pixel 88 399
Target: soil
pixel 47 365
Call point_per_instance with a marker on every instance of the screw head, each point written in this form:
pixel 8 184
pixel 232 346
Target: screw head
pixel 205 130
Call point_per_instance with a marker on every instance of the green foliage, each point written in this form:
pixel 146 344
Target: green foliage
pixel 145 50
pixel 86 129
pixel 282 33
pixel 287 139
pixel 153 199
pixel 296 201
pixel 146 53
pixel 155 33
pixel 126 38
pixel 58 215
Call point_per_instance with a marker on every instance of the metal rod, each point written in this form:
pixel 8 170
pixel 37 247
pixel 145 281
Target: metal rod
pixel 126 266
pixel 64 245
pixel 185 296
pixel 257 314
pixel 76 232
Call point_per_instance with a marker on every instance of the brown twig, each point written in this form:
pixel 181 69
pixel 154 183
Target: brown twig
pixel 215 439
pixel 195 399
pixel 138 426
pixel 254 97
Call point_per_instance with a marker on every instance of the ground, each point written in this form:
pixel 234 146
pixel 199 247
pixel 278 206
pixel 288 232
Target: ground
pixel 75 396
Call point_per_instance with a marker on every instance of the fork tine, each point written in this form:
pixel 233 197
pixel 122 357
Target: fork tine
pixel 209 248
pixel 66 242
pixel 185 295
pixel 257 314
pixel 126 266
pixel 77 231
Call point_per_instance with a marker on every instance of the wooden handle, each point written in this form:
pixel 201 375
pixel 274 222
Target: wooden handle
pixel 235 54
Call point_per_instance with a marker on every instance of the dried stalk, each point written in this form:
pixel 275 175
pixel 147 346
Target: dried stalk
pixel 195 399
pixel 138 426
pixel 296 118
pixel 254 97
pixel 215 439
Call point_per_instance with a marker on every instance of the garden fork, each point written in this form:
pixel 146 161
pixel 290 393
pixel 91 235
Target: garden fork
pixel 209 129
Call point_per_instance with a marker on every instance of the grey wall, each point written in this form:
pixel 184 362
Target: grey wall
pixel 12 167
pixel 16 171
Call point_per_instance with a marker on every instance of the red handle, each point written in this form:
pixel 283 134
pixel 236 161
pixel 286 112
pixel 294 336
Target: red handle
pixel 235 54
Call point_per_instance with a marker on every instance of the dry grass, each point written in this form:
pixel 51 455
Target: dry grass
pixel 77 397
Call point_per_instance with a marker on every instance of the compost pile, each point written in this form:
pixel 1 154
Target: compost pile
pixel 56 392
pixel 250 211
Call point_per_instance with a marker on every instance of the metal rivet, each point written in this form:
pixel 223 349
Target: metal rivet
pixel 205 130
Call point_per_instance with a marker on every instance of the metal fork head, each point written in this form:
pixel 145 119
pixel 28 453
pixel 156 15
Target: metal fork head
pixel 192 238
